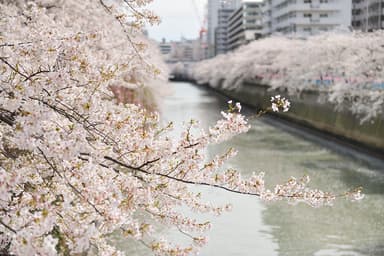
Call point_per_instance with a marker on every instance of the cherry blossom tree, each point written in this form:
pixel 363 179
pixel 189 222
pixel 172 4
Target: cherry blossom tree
pixel 79 161
pixel 347 66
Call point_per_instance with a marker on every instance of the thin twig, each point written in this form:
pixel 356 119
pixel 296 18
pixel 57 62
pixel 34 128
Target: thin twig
pixel 13 68
pixel 126 34
pixel 7 227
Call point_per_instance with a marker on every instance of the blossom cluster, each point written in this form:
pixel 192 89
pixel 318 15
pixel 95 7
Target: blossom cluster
pixel 77 163
pixel 279 102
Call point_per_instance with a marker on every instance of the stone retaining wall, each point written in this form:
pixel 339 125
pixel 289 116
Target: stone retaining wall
pixel 308 110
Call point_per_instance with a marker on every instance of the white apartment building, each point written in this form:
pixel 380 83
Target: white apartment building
pixel 368 15
pixel 305 17
pixel 213 19
pixel 244 24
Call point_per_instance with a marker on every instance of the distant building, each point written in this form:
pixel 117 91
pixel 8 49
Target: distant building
pixel 221 31
pixel 368 15
pixel 305 17
pixel 212 19
pixel 185 50
pixel 244 25
pixel 182 50
pixel 165 47
pixel 203 45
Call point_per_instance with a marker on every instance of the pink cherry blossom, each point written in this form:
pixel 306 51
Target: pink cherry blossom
pixel 79 160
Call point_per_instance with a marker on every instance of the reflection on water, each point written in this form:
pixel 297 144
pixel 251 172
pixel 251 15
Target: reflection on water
pixel 257 228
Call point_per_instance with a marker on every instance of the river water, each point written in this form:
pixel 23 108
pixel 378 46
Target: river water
pixel 254 227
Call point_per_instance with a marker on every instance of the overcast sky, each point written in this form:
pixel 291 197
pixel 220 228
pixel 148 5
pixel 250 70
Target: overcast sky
pixel 179 18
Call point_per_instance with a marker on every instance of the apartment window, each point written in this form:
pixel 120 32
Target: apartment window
pixel 323 1
pixel 307 1
pixel 307 15
pixel 307 29
pixel 323 15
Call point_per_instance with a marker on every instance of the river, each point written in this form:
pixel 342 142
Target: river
pixel 254 227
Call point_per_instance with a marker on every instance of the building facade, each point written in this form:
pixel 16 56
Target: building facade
pixel 368 15
pixel 213 20
pixel 185 50
pixel 305 17
pixel 244 24
pixel 221 31
pixel 165 47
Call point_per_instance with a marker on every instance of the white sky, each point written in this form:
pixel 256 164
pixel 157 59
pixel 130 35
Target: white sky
pixel 178 18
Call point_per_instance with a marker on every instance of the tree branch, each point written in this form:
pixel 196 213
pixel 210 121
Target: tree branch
pixel 7 227
pixel 13 68
pixel 74 189
pixel 179 179
pixel 126 33
pixel 7 117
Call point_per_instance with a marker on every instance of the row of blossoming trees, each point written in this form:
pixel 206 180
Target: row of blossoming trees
pixel 350 66
pixel 76 163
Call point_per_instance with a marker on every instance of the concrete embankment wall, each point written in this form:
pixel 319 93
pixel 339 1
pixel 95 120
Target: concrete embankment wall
pixel 309 111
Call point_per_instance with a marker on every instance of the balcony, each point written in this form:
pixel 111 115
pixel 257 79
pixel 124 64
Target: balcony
pixel 319 7
pixel 330 21
pixel 361 5
pixel 307 7
pixel 359 17
pixel 277 2
pixel 315 6
pixel 314 20
pixel 375 12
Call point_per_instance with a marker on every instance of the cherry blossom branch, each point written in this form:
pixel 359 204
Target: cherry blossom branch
pixel 352 194
pixel 14 44
pixel 27 77
pixel 134 10
pixel 40 71
pixel 126 32
pixel 7 116
pixel 178 179
pixel 75 116
pixel 13 68
pixel 74 189
pixel 78 164
pixel 8 227
pixel 40 41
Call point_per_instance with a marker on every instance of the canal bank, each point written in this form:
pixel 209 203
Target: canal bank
pixel 311 109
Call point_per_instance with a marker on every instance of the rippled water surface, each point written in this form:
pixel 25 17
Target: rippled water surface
pixel 257 228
